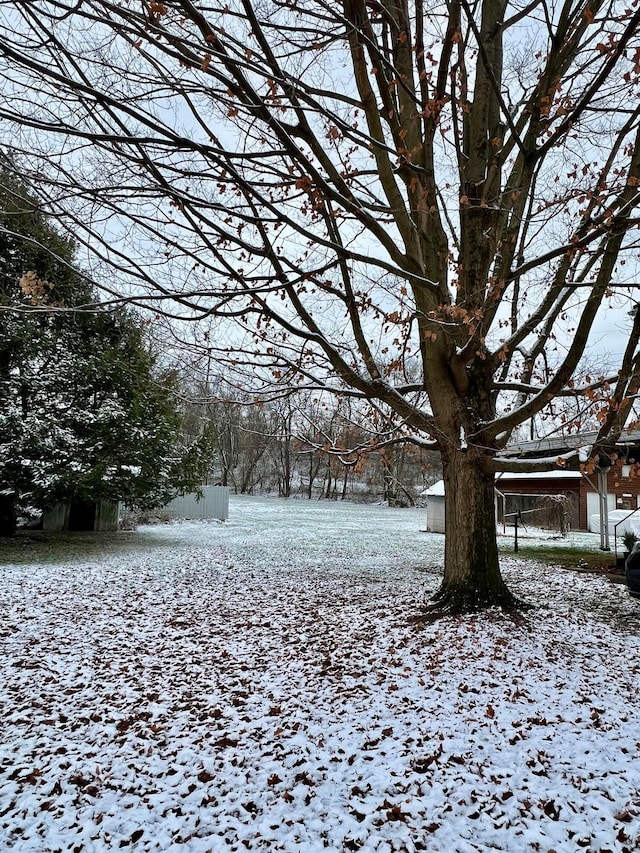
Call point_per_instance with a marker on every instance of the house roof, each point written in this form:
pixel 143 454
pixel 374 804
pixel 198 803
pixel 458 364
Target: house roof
pixel 573 441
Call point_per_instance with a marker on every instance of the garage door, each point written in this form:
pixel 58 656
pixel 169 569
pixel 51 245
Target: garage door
pixel 593 506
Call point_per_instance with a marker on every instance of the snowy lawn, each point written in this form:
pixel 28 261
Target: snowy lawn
pixel 257 685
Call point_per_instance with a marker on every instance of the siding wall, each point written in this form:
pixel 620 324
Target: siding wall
pixel 214 503
pixel 435 514
pixel 56 519
pixel 105 514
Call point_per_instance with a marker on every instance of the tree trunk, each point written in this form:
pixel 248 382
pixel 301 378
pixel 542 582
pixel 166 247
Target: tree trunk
pixel 285 460
pixel 312 476
pixel 345 483
pixel 327 490
pixel 472 578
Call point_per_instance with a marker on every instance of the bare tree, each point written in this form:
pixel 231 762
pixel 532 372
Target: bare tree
pixel 422 205
pixel 281 425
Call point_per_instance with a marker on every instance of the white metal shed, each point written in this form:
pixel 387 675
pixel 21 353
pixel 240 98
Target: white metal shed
pixel 435 507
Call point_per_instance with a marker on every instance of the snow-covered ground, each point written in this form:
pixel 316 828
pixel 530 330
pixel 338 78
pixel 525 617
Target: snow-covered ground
pixel 258 685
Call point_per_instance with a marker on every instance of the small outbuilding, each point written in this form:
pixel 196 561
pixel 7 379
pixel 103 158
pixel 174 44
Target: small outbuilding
pixel 435 507
pixel 82 515
pixel 532 494
pixel 210 502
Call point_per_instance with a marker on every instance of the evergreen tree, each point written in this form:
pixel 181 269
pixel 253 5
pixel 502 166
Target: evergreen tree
pixel 85 412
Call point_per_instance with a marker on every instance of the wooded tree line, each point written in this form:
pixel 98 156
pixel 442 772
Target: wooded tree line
pixel 297 447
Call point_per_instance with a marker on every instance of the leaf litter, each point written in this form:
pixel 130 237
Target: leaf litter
pixel 259 685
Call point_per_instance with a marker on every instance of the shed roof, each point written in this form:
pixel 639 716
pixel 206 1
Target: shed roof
pixel 437 489
pixel 540 475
